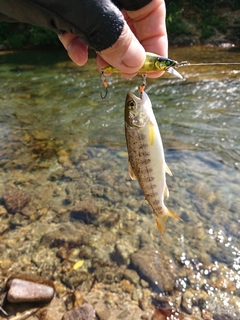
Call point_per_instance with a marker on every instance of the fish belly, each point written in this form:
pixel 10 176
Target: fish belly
pixel 148 164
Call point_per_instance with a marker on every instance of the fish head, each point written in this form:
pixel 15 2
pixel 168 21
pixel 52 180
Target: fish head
pixel 136 109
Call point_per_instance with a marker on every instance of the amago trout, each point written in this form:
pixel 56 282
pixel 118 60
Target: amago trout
pixel 146 155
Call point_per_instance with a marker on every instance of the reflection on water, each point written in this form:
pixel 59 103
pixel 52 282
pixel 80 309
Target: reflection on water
pixel 66 194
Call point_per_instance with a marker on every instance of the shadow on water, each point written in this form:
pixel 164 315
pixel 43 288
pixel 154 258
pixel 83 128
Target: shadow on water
pixel 36 57
pixel 66 195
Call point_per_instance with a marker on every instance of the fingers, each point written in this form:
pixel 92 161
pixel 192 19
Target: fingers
pixel 148 24
pixel 77 50
pixel 127 54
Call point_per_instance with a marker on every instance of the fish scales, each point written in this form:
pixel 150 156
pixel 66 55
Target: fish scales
pixel 146 155
pixel 143 167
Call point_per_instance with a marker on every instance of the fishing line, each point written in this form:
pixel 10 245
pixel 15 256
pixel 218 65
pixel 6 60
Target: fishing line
pixel 186 64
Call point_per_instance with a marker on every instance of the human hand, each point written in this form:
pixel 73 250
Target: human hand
pixel 144 30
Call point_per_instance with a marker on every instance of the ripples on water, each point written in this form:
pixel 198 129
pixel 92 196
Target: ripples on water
pixel 52 119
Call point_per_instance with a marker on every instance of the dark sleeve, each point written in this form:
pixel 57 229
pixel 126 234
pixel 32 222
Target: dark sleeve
pixel 131 5
pixel 98 23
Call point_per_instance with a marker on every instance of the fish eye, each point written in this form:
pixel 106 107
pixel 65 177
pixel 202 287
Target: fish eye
pixel 131 104
pixel 168 63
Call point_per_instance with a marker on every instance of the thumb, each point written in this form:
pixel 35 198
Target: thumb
pixel 126 54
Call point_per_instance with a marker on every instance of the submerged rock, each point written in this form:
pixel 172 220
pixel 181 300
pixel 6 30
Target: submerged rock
pixel 15 200
pixel 84 312
pixel 29 288
pixel 156 267
pixel 86 211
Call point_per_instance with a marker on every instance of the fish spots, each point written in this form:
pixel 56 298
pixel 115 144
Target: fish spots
pixel 150 179
pixel 144 162
pixel 142 137
pixel 144 154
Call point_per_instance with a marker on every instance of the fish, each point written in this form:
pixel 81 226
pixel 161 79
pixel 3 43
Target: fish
pixel 153 63
pixel 146 160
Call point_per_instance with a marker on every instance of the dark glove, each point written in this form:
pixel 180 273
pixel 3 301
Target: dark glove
pixel 99 23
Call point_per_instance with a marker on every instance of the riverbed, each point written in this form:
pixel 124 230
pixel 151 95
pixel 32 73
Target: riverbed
pixel 66 194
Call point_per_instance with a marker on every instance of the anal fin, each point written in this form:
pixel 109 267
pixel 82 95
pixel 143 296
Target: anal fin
pixel 168 170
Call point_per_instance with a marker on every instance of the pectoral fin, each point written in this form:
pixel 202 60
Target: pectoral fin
pixel 166 191
pixel 152 133
pixel 168 170
pixel 130 171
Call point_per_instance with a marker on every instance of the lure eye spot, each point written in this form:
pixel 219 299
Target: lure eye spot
pixel 168 63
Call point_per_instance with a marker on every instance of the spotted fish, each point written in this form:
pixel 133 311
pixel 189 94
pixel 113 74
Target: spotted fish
pixel 146 155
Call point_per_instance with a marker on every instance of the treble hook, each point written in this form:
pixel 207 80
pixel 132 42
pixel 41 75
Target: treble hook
pixel 104 82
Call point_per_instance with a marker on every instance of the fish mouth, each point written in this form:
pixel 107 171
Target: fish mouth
pixel 131 96
pixel 139 100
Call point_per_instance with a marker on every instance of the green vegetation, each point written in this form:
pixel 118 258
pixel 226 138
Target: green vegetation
pixel 203 16
pixel 197 18
pixel 19 35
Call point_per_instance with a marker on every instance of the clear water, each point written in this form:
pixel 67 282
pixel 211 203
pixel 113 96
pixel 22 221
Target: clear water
pixel 53 119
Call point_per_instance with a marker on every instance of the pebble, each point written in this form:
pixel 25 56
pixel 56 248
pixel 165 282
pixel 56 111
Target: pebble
pixel 15 200
pixel 3 211
pixel 5 263
pixel 126 286
pixel 65 234
pixel 86 211
pixel 103 313
pixel 132 276
pixel 84 312
pixel 165 314
pixel 29 288
pixel 123 251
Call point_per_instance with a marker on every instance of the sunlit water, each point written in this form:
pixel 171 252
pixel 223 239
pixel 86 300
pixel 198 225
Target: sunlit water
pixel 52 119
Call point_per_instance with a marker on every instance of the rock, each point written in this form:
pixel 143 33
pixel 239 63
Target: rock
pixel 3 211
pixel 126 286
pixel 5 263
pixel 207 315
pixel 165 314
pixel 107 273
pixel 29 288
pixel 66 233
pixel 15 200
pixel 86 211
pixel 132 276
pixel 102 311
pixel 187 301
pixel 157 268
pixel 84 312
pixel 123 251
pixel 42 135
pixel 73 279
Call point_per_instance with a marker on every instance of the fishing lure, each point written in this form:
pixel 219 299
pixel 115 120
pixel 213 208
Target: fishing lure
pixel 153 63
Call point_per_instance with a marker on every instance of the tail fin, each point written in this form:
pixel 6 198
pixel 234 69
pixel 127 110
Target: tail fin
pixel 161 220
pixel 161 223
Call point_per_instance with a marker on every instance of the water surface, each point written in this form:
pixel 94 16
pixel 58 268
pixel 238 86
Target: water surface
pixel 62 145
